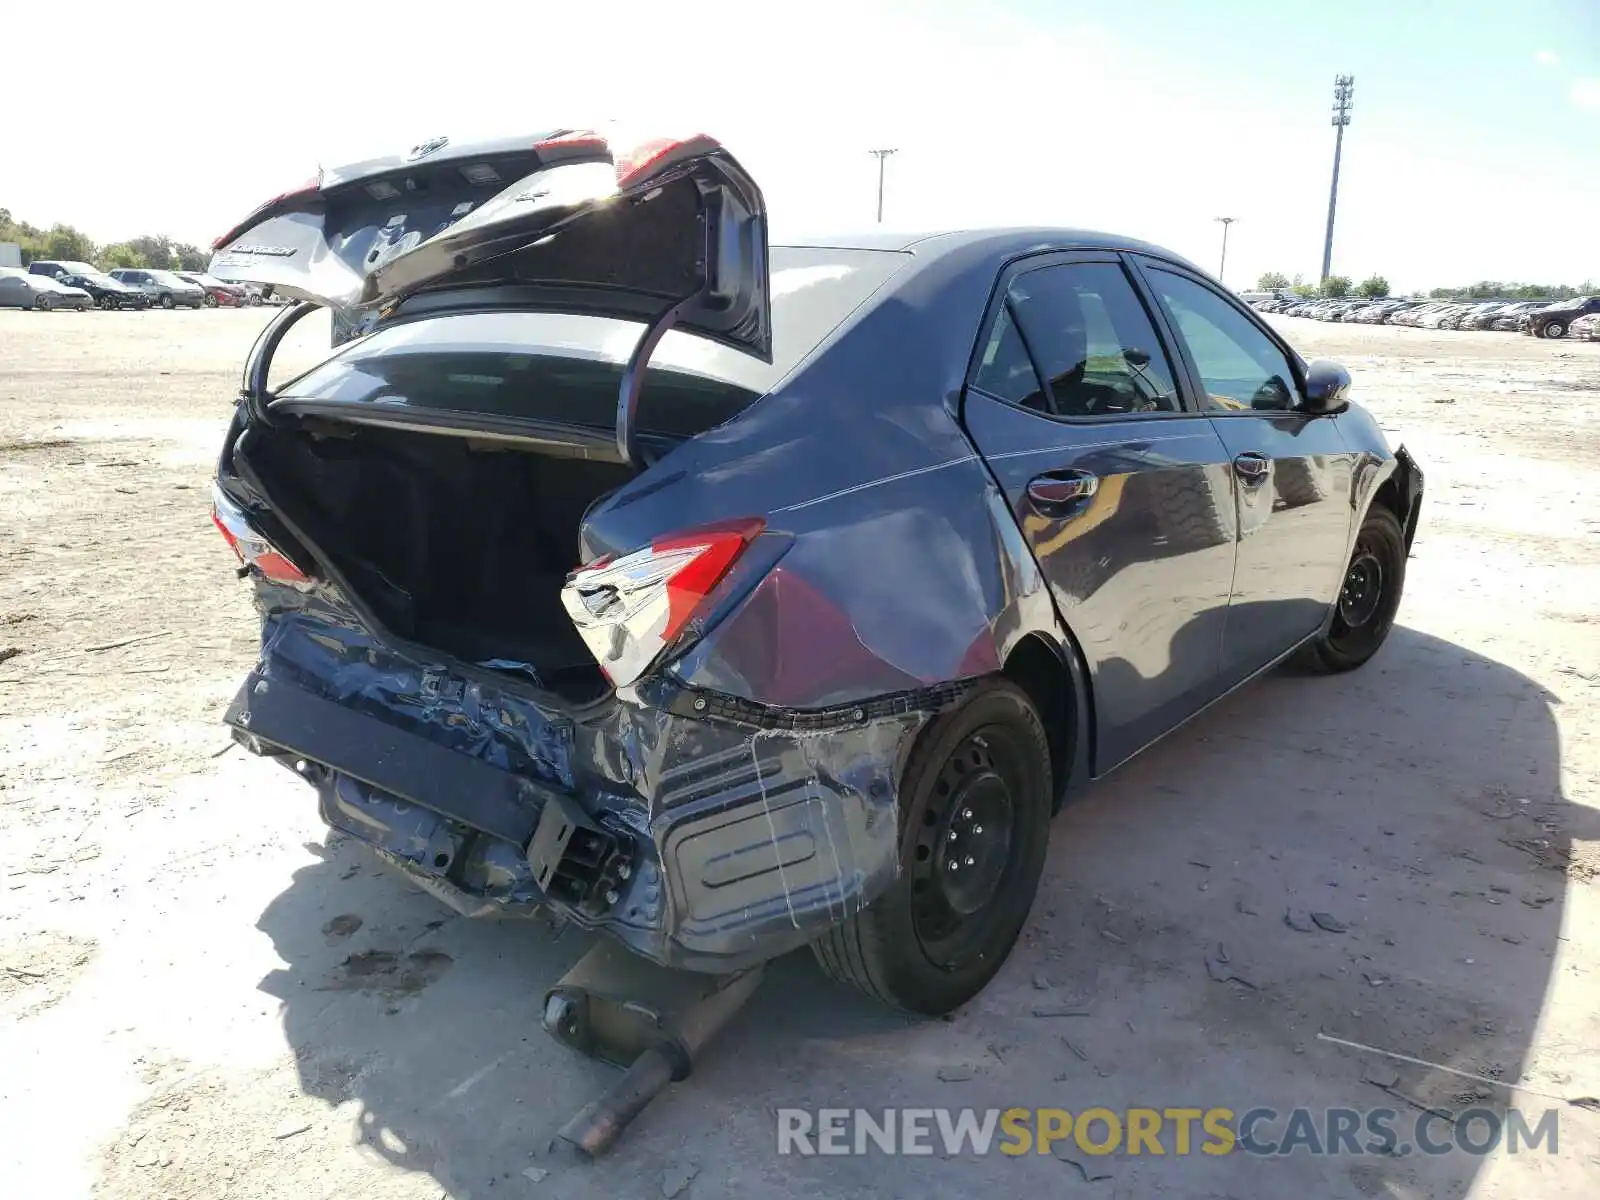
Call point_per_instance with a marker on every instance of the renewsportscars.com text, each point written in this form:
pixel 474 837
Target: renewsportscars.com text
pixel 1262 1131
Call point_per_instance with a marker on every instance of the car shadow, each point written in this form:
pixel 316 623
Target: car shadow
pixel 1381 857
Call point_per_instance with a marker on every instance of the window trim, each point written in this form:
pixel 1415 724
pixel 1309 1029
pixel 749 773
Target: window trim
pixel 1143 264
pixel 999 301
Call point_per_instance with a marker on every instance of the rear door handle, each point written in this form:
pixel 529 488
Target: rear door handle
pixel 1058 493
pixel 1252 467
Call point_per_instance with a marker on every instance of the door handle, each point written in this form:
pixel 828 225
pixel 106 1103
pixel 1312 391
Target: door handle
pixel 1252 467
pixel 1056 493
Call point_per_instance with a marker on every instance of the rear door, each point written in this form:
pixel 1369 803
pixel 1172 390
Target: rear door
pixel 1291 471
pixel 1123 495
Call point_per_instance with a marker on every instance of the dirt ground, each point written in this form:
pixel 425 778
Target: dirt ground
pixel 200 997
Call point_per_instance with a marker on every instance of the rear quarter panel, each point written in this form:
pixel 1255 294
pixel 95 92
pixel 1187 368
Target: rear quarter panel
pixel 894 561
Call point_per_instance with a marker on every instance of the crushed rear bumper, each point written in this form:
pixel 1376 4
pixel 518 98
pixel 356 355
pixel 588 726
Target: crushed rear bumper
pixel 703 832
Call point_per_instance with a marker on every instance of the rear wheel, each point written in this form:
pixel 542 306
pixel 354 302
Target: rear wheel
pixel 1369 597
pixel 41 304
pixel 211 301
pixel 1554 329
pixel 166 300
pixel 975 806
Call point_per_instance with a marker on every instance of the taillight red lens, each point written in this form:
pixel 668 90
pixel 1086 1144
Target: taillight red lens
pixel 573 141
pixel 629 610
pixel 253 550
pixel 648 157
pixel 311 185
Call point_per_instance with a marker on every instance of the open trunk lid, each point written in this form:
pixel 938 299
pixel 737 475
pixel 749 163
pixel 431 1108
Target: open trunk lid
pixel 673 234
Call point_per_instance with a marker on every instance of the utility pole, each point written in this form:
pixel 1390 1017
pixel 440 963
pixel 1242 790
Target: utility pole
pixel 882 156
pixel 1344 87
pixel 1223 266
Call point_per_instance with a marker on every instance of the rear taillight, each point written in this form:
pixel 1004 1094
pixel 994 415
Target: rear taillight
pixel 253 549
pixel 630 610
pixel 308 188
pixel 648 158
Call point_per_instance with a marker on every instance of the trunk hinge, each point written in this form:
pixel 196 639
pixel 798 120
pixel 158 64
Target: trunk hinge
pixel 253 393
pixel 633 375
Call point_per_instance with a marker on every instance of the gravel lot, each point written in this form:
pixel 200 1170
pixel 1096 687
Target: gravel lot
pixel 200 998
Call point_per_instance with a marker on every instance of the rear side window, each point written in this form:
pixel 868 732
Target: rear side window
pixel 1006 371
pixel 1093 341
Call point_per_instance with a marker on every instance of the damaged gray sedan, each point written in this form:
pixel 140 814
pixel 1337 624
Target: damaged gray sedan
pixel 729 598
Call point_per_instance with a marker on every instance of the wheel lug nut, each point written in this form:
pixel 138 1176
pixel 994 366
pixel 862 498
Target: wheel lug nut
pixel 970 860
pixel 966 814
pixel 977 829
pixel 952 835
pixel 954 865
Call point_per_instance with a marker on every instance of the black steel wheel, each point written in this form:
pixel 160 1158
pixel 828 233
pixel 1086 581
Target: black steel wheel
pixel 1369 597
pixel 975 806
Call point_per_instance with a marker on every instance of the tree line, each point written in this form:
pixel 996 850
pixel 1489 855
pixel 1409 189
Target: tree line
pixel 64 243
pixel 1338 286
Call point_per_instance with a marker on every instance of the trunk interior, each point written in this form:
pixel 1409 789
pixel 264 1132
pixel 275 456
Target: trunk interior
pixel 462 546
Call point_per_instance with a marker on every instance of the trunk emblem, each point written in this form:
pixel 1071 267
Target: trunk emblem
pixel 423 149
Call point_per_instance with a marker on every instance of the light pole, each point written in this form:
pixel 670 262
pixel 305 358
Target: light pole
pixel 882 156
pixel 1223 265
pixel 1344 88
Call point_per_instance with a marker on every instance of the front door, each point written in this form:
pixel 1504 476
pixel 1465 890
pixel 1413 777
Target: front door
pixel 1291 471
pixel 1124 497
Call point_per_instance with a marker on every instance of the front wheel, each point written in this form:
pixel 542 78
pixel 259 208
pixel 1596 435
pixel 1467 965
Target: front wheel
pixel 975 805
pixel 1554 329
pixel 41 304
pixel 211 301
pixel 166 301
pixel 1369 597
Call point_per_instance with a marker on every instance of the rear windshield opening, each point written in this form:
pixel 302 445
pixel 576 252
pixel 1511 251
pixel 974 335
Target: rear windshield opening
pixel 556 367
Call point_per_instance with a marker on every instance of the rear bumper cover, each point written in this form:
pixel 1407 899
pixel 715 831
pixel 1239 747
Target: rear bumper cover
pixel 721 834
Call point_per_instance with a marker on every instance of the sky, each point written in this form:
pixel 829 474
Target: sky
pixel 1473 152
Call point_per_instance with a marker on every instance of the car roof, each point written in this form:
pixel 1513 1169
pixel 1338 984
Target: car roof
pixel 1002 242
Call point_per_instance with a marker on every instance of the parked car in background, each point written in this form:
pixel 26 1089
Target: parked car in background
pixel 19 289
pixel 1486 316
pixel 1458 317
pixel 1435 318
pixel 1586 329
pixel 225 295
pixel 1510 318
pixel 106 291
pixel 1414 314
pixel 1553 320
pixel 162 287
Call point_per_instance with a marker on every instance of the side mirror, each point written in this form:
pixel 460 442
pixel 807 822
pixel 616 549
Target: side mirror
pixel 1327 387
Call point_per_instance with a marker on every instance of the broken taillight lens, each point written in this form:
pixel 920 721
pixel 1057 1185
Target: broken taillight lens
pixel 629 610
pixel 648 158
pixel 253 549
pixel 308 188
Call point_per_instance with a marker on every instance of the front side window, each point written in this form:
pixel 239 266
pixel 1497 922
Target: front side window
pixel 1241 367
pixel 1093 341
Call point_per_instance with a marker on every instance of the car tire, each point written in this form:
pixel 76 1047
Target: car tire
pixel 1369 598
pixel 935 938
pixel 81 306
pixel 41 304
pixel 210 301
pixel 166 300
pixel 1553 329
